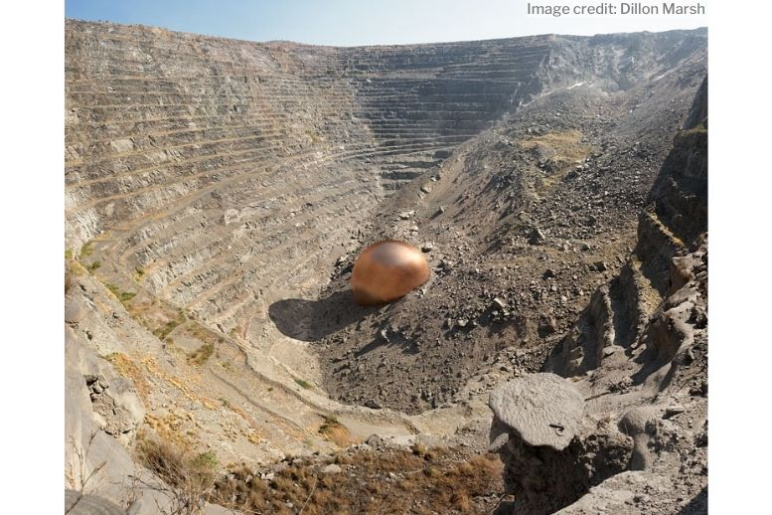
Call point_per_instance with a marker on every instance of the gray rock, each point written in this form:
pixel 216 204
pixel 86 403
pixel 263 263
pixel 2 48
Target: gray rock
pixel 373 404
pixel 547 325
pixel 536 237
pixel 73 311
pixel 544 409
pixel 642 499
pixel 332 469
pixel 120 406
pixel 635 423
pixel 374 441
pixel 673 410
pixel 78 504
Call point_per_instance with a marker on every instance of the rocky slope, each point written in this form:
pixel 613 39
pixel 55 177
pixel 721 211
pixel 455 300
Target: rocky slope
pixel 521 225
pixel 218 191
pixel 630 427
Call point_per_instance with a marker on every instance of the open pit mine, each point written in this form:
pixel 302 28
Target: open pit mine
pixel 548 354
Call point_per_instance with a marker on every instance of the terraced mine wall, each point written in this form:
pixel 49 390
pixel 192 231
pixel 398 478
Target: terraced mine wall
pixel 229 173
pixel 206 162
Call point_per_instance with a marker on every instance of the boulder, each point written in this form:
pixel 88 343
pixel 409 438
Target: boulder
pixel 544 409
pixel 536 237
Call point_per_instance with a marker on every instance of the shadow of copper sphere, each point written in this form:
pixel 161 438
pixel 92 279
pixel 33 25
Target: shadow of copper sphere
pixel 387 271
pixel 312 320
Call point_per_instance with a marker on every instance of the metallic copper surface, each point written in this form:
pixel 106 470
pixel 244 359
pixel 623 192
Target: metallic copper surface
pixel 386 271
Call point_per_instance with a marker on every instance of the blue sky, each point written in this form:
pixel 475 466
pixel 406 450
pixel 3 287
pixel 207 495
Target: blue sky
pixel 361 22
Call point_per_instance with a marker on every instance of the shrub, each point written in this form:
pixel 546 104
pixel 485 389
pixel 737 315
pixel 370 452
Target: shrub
pixel 205 461
pixel 303 383
pixel 163 332
pixel 200 355
pixel 191 478
pixel 420 449
pixel 334 431
pixel 86 250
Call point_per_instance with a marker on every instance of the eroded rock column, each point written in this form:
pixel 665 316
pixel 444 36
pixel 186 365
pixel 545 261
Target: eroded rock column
pixel 551 454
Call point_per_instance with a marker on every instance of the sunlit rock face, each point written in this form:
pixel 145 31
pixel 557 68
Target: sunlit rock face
pixel 386 271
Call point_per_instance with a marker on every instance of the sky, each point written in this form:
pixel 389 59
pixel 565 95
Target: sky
pixel 363 22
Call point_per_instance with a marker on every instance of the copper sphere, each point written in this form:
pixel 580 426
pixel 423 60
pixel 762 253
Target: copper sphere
pixel 387 271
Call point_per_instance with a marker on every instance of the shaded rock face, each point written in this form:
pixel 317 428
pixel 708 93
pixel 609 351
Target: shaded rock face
pixel 669 263
pixel 545 480
pixel 639 355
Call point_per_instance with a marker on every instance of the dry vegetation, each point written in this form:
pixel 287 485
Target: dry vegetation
pixel 664 228
pixel 128 368
pixel 199 356
pixel 208 339
pixel 335 432
pixel 566 150
pixel 389 481
pixel 190 477
pixel 72 270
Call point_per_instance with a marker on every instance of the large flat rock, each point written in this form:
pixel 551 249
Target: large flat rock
pixel 544 409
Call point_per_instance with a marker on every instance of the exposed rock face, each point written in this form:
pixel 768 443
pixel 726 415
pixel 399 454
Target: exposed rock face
pixel 95 462
pixel 639 352
pixel 117 408
pixel 670 260
pixel 99 425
